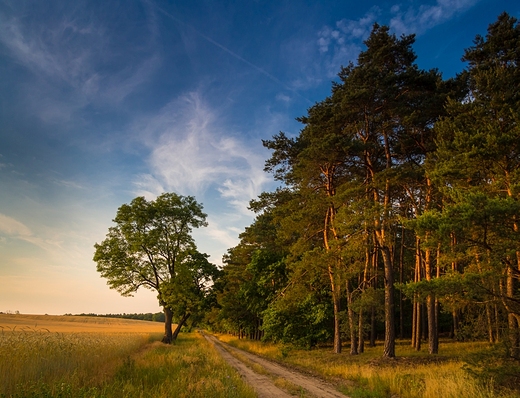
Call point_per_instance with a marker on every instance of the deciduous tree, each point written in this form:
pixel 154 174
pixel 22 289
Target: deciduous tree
pixel 151 246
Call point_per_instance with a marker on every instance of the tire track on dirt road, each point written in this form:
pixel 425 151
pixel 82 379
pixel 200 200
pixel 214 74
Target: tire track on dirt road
pixel 312 385
pixel 263 385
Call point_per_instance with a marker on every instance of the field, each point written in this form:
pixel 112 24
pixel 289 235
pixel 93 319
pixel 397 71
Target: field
pixel 76 324
pixel 67 356
pixel 80 357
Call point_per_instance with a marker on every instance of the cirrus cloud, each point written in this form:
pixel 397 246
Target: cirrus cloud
pixel 420 19
pixel 12 227
pixel 190 152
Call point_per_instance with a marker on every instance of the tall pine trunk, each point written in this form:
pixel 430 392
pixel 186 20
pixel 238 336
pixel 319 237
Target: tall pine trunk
pixel 416 319
pixel 361 338
pixel 351 321
pixel 512 319
pixel 389 347
pixel 335 267
pixel 375 262
pixel 381 235
pixel 401 280
pixel 337 321
pixel 454 268
pixel 365 283
pixel 433 336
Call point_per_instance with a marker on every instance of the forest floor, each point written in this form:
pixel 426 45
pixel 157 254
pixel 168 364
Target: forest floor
pixel 270 379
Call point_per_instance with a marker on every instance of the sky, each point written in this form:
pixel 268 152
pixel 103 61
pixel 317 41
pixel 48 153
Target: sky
pixel 102 101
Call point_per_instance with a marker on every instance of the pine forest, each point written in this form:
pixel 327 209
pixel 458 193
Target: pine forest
pixel 398 210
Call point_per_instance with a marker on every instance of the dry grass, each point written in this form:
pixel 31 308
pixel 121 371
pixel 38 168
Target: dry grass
pixel 80 357
pixel 411 375
pixel 189 368
pixel 29 357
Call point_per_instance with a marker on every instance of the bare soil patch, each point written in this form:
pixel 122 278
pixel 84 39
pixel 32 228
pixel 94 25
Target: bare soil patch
pixel 313 386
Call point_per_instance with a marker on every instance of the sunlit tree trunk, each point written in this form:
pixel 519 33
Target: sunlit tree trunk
pixel 497 323
pixel 454 268
pixel 414 322
pixel 381 231
pixel 433 338
pixel 512 319
pixel 333 271
pixel 438 274
pixel 416 319
pixel 361 332
pixel 401 280
pixel 168 335
pixel 351 321
pixel 337 323
pixel 389 347
pixel 373 333
pixel 489 321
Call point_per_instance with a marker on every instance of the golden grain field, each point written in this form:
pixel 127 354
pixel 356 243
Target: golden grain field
pixel 45 356
pixel 42 348
pixel 77 324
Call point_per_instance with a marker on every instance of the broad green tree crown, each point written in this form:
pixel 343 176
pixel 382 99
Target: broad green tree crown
pixel 151 246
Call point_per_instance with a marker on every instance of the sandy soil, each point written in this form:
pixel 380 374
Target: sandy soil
pixel 263 384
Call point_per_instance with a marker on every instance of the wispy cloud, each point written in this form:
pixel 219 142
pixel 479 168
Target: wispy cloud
pixel 418 20
pixel 346 34
pixel 76 60
pixel 219 232
pixel 322 54
pixel 341 43
pixel 16 229
pixel 12 227
pixel 283 98
pixel 191 151
pixel 68 184
pixel 58 52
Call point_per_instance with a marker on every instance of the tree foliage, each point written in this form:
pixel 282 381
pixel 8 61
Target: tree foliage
pixel 151 246
pixel 398 178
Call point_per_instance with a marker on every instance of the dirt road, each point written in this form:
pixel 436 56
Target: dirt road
pixel 263 384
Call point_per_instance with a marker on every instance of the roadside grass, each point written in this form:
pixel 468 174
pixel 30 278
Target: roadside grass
pixel 41 363
pixel 411 375
pixel 189 368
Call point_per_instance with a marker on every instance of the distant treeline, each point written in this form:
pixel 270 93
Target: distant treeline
pixel 157 317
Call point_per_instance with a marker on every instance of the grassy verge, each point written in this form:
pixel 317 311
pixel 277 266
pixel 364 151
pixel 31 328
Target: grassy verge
pixel 189 368
pixel 411 375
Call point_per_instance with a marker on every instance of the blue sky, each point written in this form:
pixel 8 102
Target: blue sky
pixel 103 101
